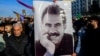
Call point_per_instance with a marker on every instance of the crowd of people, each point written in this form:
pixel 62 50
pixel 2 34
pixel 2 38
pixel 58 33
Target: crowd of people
pixel 86 35
pixel 17 37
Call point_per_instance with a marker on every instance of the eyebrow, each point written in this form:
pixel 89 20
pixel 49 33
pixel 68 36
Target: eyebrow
pixel 48 24
pixel 57 24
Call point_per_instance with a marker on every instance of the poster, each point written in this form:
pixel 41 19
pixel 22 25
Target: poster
pixel 53 28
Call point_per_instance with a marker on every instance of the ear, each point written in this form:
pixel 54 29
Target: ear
pixel 21 29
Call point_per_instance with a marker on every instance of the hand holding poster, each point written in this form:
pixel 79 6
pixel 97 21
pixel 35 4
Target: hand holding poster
pixel 53 28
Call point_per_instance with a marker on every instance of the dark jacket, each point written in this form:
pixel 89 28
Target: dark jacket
pixel 17 46
pixel 91 42
pixel 65 48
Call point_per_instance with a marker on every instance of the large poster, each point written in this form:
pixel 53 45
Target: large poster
pixel 53 28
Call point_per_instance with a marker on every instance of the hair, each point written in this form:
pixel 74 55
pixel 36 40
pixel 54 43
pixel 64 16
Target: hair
pixel 53 9
pixel 96 18
pixel 18 24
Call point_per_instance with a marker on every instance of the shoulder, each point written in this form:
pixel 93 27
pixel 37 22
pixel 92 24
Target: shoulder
pixel 38 45
pixel 66 45
pixel 68 39
pixel 67 36
pixel 40 50
pixel 11 37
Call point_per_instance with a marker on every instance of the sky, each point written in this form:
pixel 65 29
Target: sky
pixel 8 6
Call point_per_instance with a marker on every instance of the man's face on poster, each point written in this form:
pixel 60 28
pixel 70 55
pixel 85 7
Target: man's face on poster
pixel 53 26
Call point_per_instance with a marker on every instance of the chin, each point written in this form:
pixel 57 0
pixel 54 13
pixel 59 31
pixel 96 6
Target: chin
pixel 17 35
pixel 55 42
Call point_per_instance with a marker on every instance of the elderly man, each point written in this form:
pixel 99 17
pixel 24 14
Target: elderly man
pixel 53 40
pixel 18 42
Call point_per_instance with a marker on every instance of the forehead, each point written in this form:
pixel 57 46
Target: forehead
pixel 93 20
pixel 17 27
pixel 52 18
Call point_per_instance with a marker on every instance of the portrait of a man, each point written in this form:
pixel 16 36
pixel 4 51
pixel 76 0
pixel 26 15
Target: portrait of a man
pixel 53 41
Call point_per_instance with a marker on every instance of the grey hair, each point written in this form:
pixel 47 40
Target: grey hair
pixel 18 24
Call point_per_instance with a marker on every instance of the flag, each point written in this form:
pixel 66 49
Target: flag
pixel 19 16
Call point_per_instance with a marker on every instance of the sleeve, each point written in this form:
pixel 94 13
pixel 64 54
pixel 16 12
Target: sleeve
pixel 2 44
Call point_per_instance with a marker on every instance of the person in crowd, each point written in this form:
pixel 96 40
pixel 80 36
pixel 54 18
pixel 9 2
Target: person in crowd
pixel 18 44
pixel 8 30
pixel 91 42
pixel 79 48
pixel 25 25
pixel 2 27
pixel 2 41
pixel 31 26
pixel 32 37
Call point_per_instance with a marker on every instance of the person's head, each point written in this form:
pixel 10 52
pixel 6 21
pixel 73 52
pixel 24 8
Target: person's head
pixel 8 27
pixel 53 23
pixel 17 29
pixel 1 27
pixel 94 21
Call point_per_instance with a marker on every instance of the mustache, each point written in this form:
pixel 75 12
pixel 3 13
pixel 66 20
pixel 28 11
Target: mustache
pixel 53 34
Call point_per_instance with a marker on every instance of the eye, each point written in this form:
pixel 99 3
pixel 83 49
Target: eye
pixel 48 25
pixel 57 24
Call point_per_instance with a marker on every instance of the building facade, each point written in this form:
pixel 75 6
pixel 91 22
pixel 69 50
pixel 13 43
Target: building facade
pixel 80 7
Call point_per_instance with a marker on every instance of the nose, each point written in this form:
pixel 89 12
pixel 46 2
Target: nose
pixel 52 30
